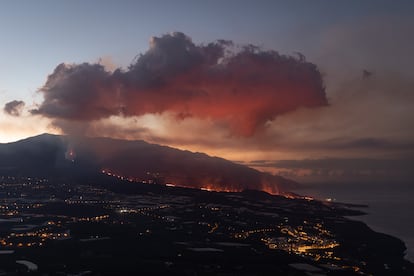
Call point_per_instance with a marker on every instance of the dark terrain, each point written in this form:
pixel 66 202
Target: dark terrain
pixel 70 216
pixel 48 155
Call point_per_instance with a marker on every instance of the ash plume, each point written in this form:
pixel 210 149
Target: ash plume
pixel 14 108
pixel 241 88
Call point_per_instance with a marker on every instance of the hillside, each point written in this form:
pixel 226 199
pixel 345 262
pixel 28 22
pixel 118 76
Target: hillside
pixel 56 155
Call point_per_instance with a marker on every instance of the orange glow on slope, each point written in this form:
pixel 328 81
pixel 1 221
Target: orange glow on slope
pixel 209 187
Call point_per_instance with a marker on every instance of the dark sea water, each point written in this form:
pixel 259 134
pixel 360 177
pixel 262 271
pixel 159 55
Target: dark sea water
pixel 390 211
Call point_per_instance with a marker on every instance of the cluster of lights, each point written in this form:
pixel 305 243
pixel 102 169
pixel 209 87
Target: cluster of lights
pixel 113 174
pixel 300 240
pixel 146 212
pixel 246 234
pixel 213 227
pixel 93 219
pixel 32 238
pixel 72 201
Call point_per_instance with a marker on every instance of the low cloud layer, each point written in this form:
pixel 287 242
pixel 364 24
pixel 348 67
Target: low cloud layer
pixel 14 108
pixel 340 169
pixel 242 88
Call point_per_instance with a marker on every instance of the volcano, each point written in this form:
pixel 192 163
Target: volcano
pixel 56 155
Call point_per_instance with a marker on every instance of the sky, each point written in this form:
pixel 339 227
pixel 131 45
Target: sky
pixel 311 90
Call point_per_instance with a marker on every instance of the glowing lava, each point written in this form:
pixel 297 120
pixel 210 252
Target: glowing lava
pixel 156 178
pixel 70 154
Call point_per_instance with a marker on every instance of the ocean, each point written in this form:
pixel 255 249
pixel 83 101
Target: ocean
pixel 390 206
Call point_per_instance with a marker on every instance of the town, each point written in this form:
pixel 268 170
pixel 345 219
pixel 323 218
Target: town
pixel 49 225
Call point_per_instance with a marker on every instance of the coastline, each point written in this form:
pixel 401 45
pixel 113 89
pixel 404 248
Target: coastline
pixel 386 207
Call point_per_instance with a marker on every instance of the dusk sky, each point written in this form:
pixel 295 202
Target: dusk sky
pixel 327 94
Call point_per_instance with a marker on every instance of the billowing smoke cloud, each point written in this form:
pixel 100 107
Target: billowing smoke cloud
pixel 14 108
pixel 79 92
pixel 241 87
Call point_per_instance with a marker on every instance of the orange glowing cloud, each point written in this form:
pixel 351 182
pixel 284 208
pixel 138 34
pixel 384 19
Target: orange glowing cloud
pixel 241 88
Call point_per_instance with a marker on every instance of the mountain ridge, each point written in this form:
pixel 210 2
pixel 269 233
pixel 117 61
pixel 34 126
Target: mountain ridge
pixel 134 159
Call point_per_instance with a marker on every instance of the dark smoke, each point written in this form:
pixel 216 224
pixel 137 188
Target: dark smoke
pixel 79 92
pixel 242 88
pixel 14 108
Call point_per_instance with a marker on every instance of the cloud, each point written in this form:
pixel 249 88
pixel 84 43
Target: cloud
pixel 369 143
pixel 341 169
pixel 240 87
pixel 14 108
pixel 79 92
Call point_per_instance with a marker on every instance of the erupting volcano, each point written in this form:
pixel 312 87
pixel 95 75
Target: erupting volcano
pixel 206 184
pixel 136 161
